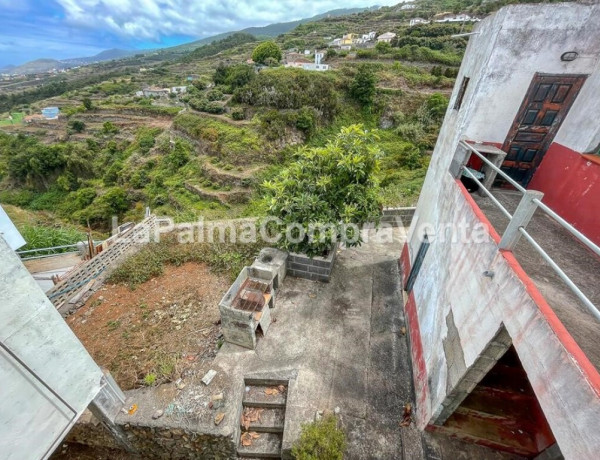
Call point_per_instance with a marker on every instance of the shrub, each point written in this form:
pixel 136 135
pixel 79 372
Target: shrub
pixel 109 128
pixel 266 50
pixel 322 439
pixel 77 125
pixel 291 89
pixel 238 114
pixel 87 103
pixel 214 95
pixel 362 87
pixel 324 190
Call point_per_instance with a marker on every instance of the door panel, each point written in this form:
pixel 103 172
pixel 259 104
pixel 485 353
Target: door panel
pixel 545 106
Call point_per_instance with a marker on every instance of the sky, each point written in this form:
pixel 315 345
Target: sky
pixel 60 29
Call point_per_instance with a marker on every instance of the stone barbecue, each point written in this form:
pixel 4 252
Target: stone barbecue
pixel 245 308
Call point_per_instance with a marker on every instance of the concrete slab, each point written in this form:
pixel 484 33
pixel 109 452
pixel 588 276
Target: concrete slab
pixel 343 345
pixel 580 264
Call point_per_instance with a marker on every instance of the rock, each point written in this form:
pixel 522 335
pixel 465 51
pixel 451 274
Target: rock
pixel 219 417
pixel 337 411
pixel 158 414
pixel 216 397
pixel 180 385
pixel 318 415
pixel 208 377
pixel 101 298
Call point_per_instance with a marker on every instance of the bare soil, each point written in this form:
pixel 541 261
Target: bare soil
pixel 158 332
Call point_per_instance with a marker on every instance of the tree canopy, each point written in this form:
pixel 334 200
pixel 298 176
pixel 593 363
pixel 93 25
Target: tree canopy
pixel 325 192
pixel 266 50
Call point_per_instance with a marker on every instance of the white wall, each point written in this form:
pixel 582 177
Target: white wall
pixel 500 61
pixel 531 39
pixel 32 418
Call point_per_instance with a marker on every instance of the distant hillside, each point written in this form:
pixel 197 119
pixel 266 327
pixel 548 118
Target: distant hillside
pixel 271 30
pixel 45 65
pixel 38 66
pixel 107 55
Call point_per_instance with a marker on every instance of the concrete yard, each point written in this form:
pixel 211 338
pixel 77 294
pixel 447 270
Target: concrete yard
pixel 580 264
pixel 344 345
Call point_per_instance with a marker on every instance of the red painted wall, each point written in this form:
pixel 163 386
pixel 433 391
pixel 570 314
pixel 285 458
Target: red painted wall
pixel 571 186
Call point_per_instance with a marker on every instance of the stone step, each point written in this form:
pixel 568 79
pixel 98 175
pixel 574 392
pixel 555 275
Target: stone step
pixel 267 445
pixel 271 420
pixel 257 397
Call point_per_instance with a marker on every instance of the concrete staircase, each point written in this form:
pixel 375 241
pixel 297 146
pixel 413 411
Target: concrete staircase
pixel 263 418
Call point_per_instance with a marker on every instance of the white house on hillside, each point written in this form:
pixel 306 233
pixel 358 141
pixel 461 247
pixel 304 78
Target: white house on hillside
pixel 386 37
pixel 416 21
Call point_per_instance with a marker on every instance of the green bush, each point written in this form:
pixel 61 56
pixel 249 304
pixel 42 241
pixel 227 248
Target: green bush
pixel 320 440
pixel 324 191
pixel 286 88
pixel 266 50
pixel 238 114
pixel 214 95
pixel 362 87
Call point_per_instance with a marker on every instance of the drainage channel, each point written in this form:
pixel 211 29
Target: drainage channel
pixel 263 418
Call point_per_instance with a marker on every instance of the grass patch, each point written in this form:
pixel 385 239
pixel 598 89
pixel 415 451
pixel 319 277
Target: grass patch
pixel 150 261
pixel 322 439
pixel 17 118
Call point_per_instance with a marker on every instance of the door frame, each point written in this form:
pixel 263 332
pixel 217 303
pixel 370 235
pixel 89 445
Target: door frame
pixel 580 79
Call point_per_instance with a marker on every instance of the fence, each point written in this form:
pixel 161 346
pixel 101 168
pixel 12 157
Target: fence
pixel 98 268
pixel 517 227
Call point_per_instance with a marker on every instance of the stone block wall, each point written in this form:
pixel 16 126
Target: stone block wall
pixel 314 269
pixel 397 217
pixel 155 442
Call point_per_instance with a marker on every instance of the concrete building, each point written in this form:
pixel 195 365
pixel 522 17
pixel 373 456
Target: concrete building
pixel 417 21
pixel 386 37
pixel 408 6
pixel 298 61
pixel 450 17
pixel 179 89
pixel 155 91
pixel 483 312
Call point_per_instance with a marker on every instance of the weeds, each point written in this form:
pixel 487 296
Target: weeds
pixel 321 439
pixel 150 261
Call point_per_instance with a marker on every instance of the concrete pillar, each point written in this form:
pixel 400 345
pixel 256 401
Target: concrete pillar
pixel 106 406
pixel 521 218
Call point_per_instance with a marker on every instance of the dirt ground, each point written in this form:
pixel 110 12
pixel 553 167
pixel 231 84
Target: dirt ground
pixel 158 332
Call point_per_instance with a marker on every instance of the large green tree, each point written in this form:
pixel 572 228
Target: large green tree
pixel 326 193
pixel 266 50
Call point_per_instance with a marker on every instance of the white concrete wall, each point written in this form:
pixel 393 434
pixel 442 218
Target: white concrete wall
pixel 500 67
pixel 31 418
pixel 530 39
pixel 451 278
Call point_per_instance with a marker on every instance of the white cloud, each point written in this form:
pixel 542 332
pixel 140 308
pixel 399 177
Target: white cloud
pixel 152 19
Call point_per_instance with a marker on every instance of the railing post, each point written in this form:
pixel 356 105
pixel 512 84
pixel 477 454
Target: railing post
pixel 461 156
pixel 521 218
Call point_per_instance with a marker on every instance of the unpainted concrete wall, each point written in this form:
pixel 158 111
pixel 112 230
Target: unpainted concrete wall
pixel 451 284
pixel 452 302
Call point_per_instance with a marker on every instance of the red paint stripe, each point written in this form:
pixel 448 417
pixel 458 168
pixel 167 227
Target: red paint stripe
pixel 405 263
pixel 589 371
pixel 416 351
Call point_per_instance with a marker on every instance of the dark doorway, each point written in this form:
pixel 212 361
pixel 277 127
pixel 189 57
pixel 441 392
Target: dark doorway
pixel 544 108
pixel 502 412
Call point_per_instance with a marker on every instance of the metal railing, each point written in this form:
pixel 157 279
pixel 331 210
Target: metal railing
pixel 530 202
pixel 40 253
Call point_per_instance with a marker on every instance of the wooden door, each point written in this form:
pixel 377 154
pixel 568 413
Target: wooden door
pixel 545 106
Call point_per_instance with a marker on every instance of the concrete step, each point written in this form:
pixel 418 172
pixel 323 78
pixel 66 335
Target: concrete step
pixel 267 445
pixel 257 397
pixel 271 420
